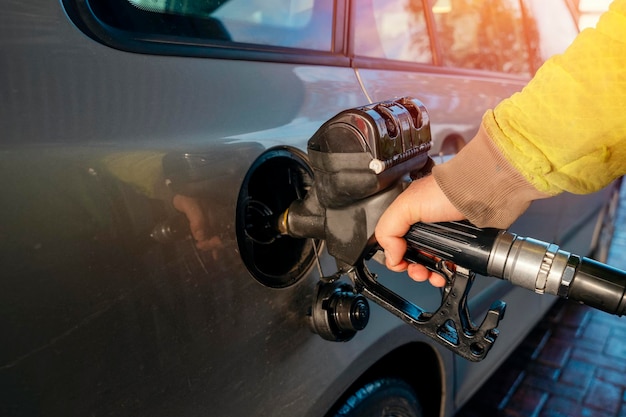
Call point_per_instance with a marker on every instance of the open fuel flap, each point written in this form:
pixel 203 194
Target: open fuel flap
pixel 276 179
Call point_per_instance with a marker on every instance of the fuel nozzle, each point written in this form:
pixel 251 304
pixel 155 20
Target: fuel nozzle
pixel 526 262
pixel 361 160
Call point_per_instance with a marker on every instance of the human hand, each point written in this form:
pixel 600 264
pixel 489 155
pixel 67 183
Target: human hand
pixel 198 223
pixel 422 201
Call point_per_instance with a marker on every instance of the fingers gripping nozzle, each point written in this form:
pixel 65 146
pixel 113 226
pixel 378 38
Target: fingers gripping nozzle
pixel 361 159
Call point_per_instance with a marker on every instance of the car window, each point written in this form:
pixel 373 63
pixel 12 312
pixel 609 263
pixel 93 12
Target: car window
pixel 304 24
pixel 482 34
pixel 555 24
pixel 392 29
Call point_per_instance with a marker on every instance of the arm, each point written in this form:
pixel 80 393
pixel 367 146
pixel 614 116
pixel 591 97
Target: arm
pixel 564 132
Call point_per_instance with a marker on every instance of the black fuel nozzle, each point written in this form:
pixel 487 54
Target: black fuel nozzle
pixel 362 159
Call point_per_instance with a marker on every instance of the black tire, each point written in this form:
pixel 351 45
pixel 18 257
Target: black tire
pixel 385 397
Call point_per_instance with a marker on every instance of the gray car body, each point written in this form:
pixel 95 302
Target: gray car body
pixel 99 319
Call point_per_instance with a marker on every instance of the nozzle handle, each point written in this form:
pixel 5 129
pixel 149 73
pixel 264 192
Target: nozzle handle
pixel 458 242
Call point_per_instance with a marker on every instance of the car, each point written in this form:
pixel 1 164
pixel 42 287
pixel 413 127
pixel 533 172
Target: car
pixel 117 114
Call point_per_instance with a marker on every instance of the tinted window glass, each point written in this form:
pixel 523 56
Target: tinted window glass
pixel 303 24
pixel 482 34
pixel 392 29
pixel 555 24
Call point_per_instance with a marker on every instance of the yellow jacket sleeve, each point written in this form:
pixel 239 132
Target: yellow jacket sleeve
pixel 566 130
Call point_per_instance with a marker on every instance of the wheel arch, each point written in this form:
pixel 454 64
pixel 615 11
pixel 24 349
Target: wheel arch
pixel 416 363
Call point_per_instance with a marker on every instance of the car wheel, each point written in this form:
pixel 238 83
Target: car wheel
pixel 385 397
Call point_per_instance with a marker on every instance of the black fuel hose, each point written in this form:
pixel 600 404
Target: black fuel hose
pixel 525 262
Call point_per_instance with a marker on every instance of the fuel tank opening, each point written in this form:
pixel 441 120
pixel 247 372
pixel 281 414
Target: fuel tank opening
pixel 276 179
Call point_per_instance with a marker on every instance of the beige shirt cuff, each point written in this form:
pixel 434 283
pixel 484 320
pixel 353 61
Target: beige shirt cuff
pixel 484 186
